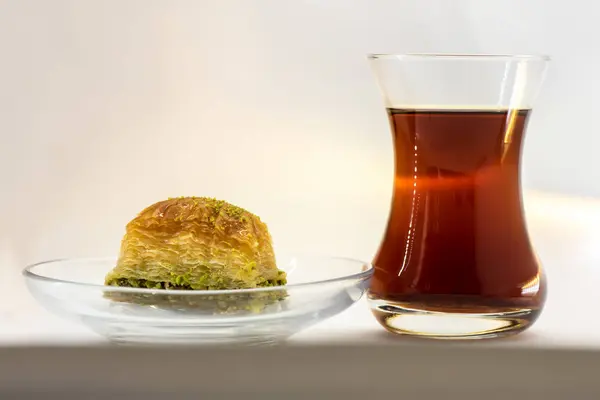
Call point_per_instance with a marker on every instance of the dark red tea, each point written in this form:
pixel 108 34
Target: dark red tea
pixel 456 239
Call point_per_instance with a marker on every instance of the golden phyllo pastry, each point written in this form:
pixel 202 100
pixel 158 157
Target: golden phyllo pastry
pixel 196 243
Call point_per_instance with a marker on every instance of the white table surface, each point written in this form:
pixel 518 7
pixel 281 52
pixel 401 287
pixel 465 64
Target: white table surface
pixel 565 232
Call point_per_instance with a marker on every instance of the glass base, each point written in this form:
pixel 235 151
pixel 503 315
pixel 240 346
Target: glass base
pixel 137 341
pixel 412 320
pixel 141 335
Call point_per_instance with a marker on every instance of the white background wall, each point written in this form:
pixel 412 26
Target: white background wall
pixel 107 106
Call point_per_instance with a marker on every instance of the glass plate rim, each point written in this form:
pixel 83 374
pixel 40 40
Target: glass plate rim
pixel 362 275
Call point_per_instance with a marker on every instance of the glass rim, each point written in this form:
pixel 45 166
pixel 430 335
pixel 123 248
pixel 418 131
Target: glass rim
pixel 459 56
pixel 30 273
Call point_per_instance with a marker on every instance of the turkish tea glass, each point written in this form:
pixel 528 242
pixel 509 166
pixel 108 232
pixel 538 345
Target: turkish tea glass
pixel 456 260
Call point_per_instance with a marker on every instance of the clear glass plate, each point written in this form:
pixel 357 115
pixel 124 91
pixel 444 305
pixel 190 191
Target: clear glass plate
pixel 318 288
